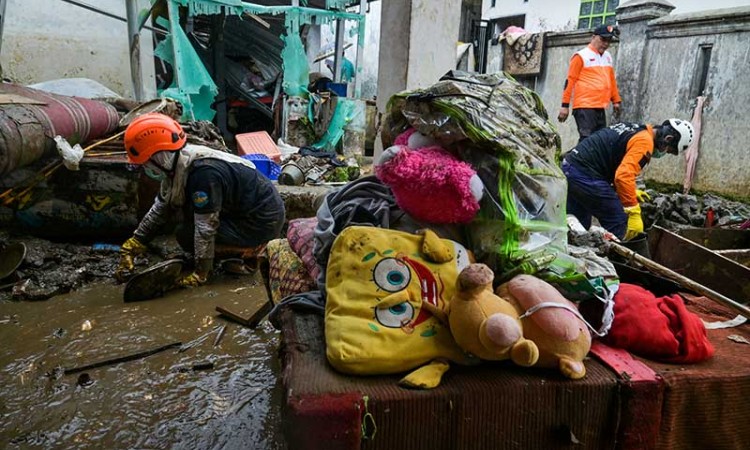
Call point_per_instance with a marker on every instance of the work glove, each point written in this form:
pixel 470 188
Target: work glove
pixel 199 275
pixel 635 222
pixel 128 251
pixel 642 196
pixel 192 280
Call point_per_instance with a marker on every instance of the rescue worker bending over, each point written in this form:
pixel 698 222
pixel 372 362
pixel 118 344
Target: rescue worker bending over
pixel 601 171
pixel 227 207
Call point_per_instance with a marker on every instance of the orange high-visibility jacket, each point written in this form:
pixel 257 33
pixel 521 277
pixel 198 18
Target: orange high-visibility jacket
pixel 591 80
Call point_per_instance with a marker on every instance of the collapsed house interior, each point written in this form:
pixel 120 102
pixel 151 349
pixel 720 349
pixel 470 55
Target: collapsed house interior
pixel 246 66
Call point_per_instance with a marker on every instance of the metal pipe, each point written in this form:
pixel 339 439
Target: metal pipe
pixel 134 42
pixel 359 68
pixel 339 57
pixel 3 4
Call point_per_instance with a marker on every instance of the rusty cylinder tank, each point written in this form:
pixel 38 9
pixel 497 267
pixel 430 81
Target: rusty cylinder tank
pixel 22 138
pixel 30 119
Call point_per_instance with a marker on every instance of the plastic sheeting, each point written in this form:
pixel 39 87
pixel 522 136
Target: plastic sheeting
pixel 192 85
pixel 296 71
pixel 501 128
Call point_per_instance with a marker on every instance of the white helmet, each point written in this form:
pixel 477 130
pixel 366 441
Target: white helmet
pixel 685 131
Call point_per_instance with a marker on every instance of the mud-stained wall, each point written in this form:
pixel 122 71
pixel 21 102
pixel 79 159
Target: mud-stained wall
pixel 658 65
pixel 559 48
pixel 50 39
pixel 677 48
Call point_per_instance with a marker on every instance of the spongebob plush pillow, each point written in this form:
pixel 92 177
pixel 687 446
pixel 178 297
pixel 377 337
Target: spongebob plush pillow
pixel 376 282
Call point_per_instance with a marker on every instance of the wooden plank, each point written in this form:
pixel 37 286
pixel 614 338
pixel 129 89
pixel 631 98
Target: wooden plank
pixel 700 264
pixel 250 322
pixel 718 238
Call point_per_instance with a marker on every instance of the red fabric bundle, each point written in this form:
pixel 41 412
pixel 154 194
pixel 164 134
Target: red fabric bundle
pixel 658 328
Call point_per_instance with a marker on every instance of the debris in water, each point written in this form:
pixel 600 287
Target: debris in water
pixel 252 321
pixel 197 341
pixel 220 335
pixel 86 325
pixel 84 380
pixel 120 359
pixel 206 365
pixel 20 289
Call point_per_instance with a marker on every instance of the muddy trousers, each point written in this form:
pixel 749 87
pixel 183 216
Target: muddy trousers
pixel 589 196
pixel 238 233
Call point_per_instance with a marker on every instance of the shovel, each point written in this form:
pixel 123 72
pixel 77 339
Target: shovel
pixel 154 281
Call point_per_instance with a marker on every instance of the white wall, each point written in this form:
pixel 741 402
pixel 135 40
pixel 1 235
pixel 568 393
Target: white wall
pixel 541 15
pixel 688 6
pixel 562 15
pixel 50 39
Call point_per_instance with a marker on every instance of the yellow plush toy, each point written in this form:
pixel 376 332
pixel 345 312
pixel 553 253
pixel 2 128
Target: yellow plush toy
pixel 552 322
pixel 483 324
pixel 378 282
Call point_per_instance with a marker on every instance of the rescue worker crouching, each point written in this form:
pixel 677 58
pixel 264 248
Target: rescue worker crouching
pixel 602 169
pixel 228 208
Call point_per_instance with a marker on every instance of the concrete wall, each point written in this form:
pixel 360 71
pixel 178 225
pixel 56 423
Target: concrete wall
pixel 432 41
pixel 541 15
pixel 559 48
pixel 657 66
pixel 672 67
pixel 417 44
pixel 562 15
pixel 50 39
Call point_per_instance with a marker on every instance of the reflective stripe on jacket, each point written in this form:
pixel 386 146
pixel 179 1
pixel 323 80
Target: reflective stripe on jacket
pixel 591 80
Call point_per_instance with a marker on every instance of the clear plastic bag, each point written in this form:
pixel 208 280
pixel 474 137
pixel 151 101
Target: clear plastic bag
pixel 501 128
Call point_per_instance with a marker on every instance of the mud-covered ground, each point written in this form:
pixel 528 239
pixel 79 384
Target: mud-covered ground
pixel 212 394
pixel 54 268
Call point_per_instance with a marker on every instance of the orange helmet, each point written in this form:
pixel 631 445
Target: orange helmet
pixel 151 133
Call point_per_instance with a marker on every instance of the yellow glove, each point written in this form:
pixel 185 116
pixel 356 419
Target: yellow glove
pixel 129 250
pixel 192 280
pixel 642 196
pixel 635 222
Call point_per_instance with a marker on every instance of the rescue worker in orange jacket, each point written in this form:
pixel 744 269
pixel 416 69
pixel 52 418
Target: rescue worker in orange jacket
pixel 601 171
pixel 591 81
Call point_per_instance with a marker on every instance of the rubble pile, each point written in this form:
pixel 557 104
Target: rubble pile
pixel 54 268
pixel 676 211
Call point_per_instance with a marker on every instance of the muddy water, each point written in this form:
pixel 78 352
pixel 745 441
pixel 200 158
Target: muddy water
pixel 155 402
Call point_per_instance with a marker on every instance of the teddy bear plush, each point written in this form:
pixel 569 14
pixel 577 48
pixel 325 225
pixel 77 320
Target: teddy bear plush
pixel 483 324
pixel 552 322
pixel 428 182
